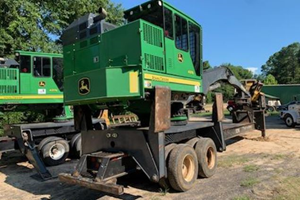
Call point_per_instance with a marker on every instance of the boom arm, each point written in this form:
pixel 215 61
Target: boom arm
pixel 212 77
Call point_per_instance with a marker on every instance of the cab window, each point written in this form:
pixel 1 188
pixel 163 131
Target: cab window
pixel 168 23
pixel 194 37
pixel 181 30
pixel 41 67
pixel 58 74
pixel 25 62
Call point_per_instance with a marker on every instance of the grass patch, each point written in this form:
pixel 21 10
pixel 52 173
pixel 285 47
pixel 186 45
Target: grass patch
pixel 209 114
pixel 251 168
pixel 278 157
pixel 163 191
pixel 249 182
pixel 275 113
pixel 232 160
pixel 241 198
pixel 289 189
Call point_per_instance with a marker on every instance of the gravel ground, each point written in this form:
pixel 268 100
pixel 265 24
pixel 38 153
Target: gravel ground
pixel 251 168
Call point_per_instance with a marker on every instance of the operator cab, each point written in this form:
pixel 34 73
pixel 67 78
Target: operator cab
pixel 182 35
pixel 39 70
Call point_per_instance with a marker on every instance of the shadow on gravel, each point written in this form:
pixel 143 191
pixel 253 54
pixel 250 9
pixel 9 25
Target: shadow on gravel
pixel 274 122
pixel 24 178
pixel 19 176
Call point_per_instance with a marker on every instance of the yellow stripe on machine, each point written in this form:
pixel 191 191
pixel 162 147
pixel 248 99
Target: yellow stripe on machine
pixel 33 97
pixel 171 80
pixel 134 82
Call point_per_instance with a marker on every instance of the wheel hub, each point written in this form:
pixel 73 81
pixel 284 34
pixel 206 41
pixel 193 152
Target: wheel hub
pixel 210 158
pixel 57 151
pixel 289 121
pixel 188 168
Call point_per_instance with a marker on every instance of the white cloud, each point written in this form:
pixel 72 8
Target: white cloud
pixel 252 69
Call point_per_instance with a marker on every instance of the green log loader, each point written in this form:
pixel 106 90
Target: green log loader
pixel 152 64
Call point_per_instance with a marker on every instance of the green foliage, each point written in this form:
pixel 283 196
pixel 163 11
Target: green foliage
pixel 259 77
pixel 270 80
pixel 31 25
pixel 285 65
pixel 206 65
pixel 20 117
pixel 10 118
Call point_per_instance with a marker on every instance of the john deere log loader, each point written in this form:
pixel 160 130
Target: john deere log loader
pixel 34 82
pixel 153 64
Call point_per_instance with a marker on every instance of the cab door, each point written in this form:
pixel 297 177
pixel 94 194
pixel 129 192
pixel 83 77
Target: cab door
pixel 182 49
pixel 41 75
pixel 178 51
pixel 25 74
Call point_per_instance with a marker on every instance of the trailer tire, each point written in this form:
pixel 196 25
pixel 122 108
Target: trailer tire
pixel 54 150
pixel 207 157
pixel 193 142
pixel 182 168
pixel 289 121
pixel 47 140
pixel 75 146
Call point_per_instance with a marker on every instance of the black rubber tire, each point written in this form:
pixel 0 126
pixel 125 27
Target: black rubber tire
pixel 289 121
pixel 45 149
pixel 180 154
pixel 47 140
pixel 78 147
pixel 192 142
pixel 207 157
pixel 75 146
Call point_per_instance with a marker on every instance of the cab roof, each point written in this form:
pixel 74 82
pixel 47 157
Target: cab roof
pixel 165 4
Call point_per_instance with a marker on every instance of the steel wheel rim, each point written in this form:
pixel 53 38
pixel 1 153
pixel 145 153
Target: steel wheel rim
pixel 289 121
pixel 57 151
pixel 188 168
pixel 210 158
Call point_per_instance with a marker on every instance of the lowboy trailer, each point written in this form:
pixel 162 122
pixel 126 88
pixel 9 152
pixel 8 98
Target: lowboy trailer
pixel 153 64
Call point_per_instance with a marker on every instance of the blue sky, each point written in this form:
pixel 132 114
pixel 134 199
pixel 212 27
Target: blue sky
pixel 241 32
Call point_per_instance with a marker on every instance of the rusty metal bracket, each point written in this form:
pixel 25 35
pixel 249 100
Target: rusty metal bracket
pixel 160 118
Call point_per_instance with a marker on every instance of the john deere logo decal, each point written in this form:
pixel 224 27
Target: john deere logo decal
pixel 180 57
pixel 84 86
pixel 42 83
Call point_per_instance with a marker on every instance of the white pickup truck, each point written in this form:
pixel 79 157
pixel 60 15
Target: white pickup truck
pixel 291 116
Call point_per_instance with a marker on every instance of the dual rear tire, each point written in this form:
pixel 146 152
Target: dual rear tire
pixel 186 162
pixel 55 150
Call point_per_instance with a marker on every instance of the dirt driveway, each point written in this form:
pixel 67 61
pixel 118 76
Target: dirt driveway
pixel 251 168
